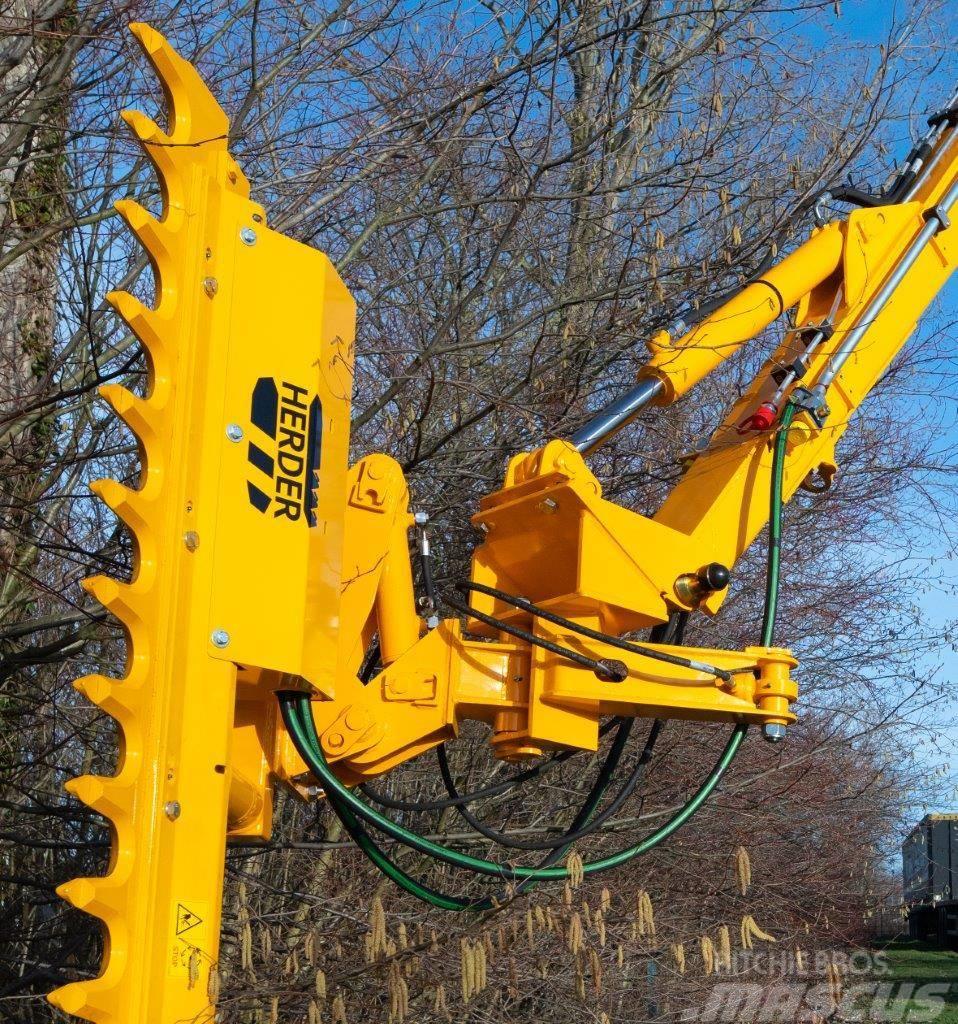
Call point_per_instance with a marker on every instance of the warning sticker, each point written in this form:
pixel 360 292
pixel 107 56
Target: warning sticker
pixel 186 919
pixel 190 949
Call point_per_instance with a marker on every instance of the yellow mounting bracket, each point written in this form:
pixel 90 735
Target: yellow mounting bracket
pixel 237 520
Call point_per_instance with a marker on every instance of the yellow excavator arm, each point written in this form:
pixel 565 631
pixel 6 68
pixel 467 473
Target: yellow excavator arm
pixel 274 632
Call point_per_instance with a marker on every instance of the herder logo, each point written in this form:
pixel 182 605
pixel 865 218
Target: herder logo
pixel 290 420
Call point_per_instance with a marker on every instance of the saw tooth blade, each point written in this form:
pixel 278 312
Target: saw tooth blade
pixel 168 803
pixel 128 504
pixel 156 238
pixel 147 325
pixel 103 794
pixel 195 116
pixel 138 414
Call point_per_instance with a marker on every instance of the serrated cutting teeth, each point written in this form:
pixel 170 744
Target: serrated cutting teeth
pixel 147 324
pixel 118 699
pixel 153 235
pixel 135 412
pixel 107 796
pixel 99 897
pixel 71 998
pixel 145 128
pixel 133 508
pixel 120 599
pixel 195 116
pixel 126 503
pixel 93 1000
pixel 174 707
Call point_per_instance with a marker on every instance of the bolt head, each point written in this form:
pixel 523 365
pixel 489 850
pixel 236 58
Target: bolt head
pixel 248 235
pixel 220 638
pixel 234 432
pixel 773 732
pixel 421 518
pixel 210 286
pixel 172 809
pixel 191 539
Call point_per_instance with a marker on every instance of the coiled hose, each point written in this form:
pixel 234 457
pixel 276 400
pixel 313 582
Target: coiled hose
pixel 353 812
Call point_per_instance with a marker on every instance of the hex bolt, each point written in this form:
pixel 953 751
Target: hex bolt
pixel 191 539
pixel 210 286
pixel 172 809
pixel 248 235
pixel 234 432
pixel 421 518
pixel 773 732
pixel 220 638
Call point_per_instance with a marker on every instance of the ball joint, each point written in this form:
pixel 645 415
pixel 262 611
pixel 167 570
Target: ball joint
pixel 693 588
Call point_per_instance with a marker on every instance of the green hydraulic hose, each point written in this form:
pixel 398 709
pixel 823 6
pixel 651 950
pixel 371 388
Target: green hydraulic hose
pixel 299 720
pixel 772 577
pixel 292 719
pixel 343 795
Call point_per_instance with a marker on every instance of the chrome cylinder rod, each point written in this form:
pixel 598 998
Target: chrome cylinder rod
pixel 615 416
pixel 937 219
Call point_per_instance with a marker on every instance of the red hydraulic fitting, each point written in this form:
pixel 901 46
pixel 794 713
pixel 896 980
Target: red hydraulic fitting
pixel 762 419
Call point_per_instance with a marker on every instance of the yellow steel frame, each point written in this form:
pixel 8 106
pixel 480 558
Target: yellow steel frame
pixel 263 562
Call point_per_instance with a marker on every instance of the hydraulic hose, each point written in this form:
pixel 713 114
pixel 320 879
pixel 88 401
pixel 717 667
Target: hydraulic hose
pixel 569 837
pixel 292 714
pixel 495 789
pixel 670 632
pixel 576 627
pixel 316 761
pixel 773 573
pixel 352 811
pixel 444 901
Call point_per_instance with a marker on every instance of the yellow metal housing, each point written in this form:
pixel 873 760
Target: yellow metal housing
pixel 238 529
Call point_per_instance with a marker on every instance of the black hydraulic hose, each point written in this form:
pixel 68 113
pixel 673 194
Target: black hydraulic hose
pixel 575 627
pixel 354 828
pixel 496 789
pixel 611 670
pixel 315 759
pixel 571 836
pixel 298 730
pixel 668 632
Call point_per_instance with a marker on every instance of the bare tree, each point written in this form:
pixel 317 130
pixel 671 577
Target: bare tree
pixel 517 197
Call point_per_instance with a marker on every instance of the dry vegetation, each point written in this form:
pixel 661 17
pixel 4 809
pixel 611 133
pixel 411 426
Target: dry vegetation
pixel 517 195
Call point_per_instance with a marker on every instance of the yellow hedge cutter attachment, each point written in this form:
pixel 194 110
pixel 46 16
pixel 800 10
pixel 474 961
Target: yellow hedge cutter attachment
pixel 274 632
